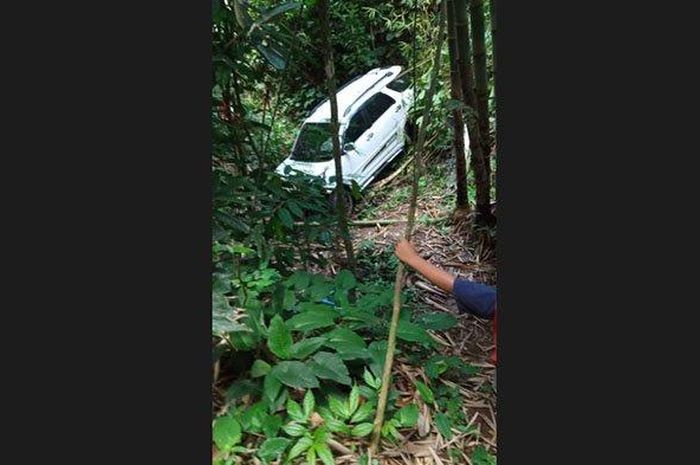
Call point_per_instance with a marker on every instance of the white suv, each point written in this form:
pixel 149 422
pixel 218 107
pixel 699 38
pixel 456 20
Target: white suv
pixel 372 113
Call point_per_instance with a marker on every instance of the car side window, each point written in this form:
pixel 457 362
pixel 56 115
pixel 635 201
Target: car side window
pixel 358 124
pixel 368 113
pixel 377 105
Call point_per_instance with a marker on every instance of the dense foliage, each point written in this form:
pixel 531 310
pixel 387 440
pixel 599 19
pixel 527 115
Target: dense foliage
pixel 298 353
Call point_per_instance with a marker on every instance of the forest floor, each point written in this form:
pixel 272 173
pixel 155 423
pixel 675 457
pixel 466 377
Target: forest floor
pixel 469 254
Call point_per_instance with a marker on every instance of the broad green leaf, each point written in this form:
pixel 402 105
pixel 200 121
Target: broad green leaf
pixel 294 429
pixel 312 319
pixel 311 456
pixel 309 403
pixel 279 339
pixel 345 280
pixel 353 400
pixel 444 425
pixel 347 343
pixel 324 453
pixel 271 388
pixel 295 374
pixel 271 425
pixel 259 368
pixel 439 321
pixel 361 430
pixel 273 448
pixel 408 416
pixel 253 418
pixel 389 430
pixel 336 426
pixel 338 407
pixel 300 447
pixel 226 432
pixel 425 392
pixel 363 413
pixel 294 410
pixel 306 347
pixel 299 280
pixel 327 365
pixel 411 332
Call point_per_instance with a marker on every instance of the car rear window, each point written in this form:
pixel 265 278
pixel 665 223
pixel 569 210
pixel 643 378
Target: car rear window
pixel 399 84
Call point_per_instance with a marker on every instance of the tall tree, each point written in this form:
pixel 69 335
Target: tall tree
pixel 481 77
pixel 483 184
pixel 492 13
pixel 456 93
pixel 330 81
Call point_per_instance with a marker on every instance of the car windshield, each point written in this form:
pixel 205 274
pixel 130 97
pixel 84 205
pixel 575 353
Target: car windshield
pixel 314 143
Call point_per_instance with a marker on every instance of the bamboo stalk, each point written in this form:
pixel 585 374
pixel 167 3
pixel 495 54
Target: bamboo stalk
pixel 398 283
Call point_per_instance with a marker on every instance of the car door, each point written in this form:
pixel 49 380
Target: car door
pixel 381 113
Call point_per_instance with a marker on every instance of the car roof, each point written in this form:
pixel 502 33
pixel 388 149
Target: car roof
pixel 356 91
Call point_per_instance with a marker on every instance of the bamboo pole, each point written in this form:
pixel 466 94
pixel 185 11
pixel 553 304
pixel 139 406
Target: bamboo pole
pixel 400 272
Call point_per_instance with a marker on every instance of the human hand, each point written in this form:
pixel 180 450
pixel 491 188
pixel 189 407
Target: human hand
pixel 405 251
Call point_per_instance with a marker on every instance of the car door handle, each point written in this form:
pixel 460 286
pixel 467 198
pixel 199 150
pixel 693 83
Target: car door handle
pixel 370 135
pixel 398 107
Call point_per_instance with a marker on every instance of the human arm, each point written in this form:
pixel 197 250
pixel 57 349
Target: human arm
pixel 407 254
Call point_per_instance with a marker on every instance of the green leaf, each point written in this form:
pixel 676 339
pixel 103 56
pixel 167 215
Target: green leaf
pixel 275 11
pixel 371 380
pixel 294 428
pixel 345 280
pixel 327 365
pixel 306 347
pixel 324 453
pixel 444 425
pixel 411 332
pixel 294 410
pixel 354 399
pixel 259 368
pixel 361 430
pixel 347 343
pixel 271 388
pixel 300 447
pixel 481 457
pixel 336 426
pixel 338 407
pixel 309 404
pixel 312 319
pixel 311 456
pixel 408 416
pixel 363 413
pixel 425 392
pixel 299 280
pixel 295 374
pixel 226 432
pixel 439 321
pixel 279 338
pixel 285 217
pixel 253 418
pixel 273 448
pixel 271 425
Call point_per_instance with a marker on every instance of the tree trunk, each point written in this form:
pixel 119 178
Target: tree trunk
pixel 492 11
pixel 330 80
pixel 456 94
pixel 481 76
pixel 483 194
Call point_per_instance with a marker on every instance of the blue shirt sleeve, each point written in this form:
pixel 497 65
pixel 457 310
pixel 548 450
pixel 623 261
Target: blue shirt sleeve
pixel 475 298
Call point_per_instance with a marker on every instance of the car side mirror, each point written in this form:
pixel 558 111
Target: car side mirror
pixel 349 147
